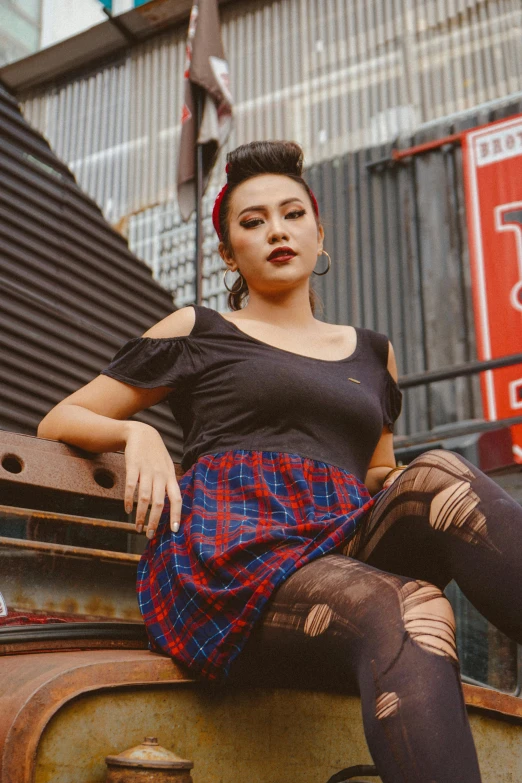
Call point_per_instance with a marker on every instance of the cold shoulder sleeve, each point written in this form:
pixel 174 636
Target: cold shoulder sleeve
pixel 149 362
pixel 392 401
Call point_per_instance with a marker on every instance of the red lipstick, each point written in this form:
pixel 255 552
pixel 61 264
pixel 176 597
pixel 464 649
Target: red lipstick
pixel 281 254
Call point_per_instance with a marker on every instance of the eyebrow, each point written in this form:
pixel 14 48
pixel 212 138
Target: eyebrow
pixel 261 207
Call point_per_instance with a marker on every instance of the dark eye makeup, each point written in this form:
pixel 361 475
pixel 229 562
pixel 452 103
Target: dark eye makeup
pixel 253 222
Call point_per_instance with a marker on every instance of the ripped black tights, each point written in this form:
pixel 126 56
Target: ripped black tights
pixel 374 617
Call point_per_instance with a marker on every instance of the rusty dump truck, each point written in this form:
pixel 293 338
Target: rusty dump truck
pixel 79 686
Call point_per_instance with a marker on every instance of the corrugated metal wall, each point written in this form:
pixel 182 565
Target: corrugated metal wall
pixel 334 75
pixel 398 238
pixel 71 292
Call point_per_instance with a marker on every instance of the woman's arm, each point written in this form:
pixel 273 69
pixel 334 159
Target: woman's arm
pixel 383 458
pixel 95 418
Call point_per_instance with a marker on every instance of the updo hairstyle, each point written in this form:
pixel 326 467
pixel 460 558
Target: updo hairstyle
pixel 251 160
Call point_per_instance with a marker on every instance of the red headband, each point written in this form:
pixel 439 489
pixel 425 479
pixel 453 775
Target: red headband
pixel 221 196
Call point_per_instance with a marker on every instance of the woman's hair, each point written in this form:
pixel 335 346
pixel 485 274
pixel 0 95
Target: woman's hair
pixel 250 160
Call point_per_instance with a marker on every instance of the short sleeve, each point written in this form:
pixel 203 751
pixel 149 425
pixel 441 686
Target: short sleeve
pixel 391 394
pixel 392 402
pixel 149 362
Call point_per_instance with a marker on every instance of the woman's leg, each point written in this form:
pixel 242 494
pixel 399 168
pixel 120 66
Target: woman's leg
pixel 444 519
pixel 340 623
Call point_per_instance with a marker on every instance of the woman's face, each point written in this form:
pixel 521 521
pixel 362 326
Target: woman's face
pixel 267 213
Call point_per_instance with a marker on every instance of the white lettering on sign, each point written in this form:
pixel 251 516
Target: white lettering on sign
pixel 499 145
pixel 515 394
pixel 508 217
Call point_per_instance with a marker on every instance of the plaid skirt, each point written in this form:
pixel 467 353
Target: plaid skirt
pixel 249 519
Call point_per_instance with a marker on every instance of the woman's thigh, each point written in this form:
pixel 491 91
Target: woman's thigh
pixel 415 526
pixel 323 625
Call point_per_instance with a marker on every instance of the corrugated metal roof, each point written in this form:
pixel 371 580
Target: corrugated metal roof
pixel 101 42
pixel 334 76
pixel 71 292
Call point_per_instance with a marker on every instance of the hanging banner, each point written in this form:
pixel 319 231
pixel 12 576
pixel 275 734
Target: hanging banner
pixel 493 182
pixel 206 69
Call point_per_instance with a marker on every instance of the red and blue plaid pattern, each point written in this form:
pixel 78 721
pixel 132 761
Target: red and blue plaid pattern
pixel 249 519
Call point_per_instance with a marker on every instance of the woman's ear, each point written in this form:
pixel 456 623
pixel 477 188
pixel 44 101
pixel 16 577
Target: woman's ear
pixel 320 238
pixel 223 253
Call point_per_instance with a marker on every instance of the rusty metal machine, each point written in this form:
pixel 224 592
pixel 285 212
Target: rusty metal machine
pixel 78 684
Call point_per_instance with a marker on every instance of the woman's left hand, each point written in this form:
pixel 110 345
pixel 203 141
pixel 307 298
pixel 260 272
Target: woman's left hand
pixel 389 481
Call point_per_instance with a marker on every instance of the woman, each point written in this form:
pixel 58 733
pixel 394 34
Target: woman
pixel 293 542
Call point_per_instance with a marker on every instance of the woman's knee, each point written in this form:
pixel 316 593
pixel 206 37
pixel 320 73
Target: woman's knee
pixel 428 618
pixel 404 608
pixel 447 478
pixel 445 461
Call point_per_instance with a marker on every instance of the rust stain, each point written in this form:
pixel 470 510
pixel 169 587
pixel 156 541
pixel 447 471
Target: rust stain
pixel 34 687
pixel 23 601
pixel 131 614
pixel 69 606
pixel 99 607
pixel 63 549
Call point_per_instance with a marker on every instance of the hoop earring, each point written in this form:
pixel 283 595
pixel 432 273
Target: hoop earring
pixel 231 290
pixel 324 253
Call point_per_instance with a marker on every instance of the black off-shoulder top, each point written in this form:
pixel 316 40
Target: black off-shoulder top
pixel 232 391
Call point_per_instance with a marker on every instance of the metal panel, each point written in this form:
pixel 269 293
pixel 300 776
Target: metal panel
pixel 71 292
pixel 397 236
pixel 335 76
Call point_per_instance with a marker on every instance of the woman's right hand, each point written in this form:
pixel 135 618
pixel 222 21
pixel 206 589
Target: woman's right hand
pixel 150 469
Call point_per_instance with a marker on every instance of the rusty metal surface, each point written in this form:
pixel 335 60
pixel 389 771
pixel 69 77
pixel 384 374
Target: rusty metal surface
pixel 65 519
pixel 54 558
pixel 64 637
pixel 257 734
pixel 34 687
pixel 40 581
pixel 489 700
pixel 52 465
pixel 116 775
pixel 101 555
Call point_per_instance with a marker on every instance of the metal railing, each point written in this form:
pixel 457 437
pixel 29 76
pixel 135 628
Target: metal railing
pixel 449 373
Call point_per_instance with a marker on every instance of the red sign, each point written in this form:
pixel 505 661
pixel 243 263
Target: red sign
pixel 493 180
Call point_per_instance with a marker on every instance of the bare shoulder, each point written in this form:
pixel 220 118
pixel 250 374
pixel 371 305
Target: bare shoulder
pixel 178 324
pixel 392 362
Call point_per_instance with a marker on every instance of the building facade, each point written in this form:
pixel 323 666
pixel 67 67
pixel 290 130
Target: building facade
pixel 335 76
pixel 20 29
pixel 27 26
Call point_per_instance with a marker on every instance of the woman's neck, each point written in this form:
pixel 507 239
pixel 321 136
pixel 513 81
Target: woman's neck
pixel 295 314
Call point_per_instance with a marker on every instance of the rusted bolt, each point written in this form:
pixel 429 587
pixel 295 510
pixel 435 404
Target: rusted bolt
pixel 148 763
pixel 12 463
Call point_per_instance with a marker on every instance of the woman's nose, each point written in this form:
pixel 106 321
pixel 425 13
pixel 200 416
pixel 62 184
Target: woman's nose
pixel 277 233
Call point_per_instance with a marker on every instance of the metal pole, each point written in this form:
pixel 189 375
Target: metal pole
pixel 199 196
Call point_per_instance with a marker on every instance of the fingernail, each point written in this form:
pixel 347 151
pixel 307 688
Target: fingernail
pixel 128 509
pixel 175 527
pixel 139 528
pixel 150 533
